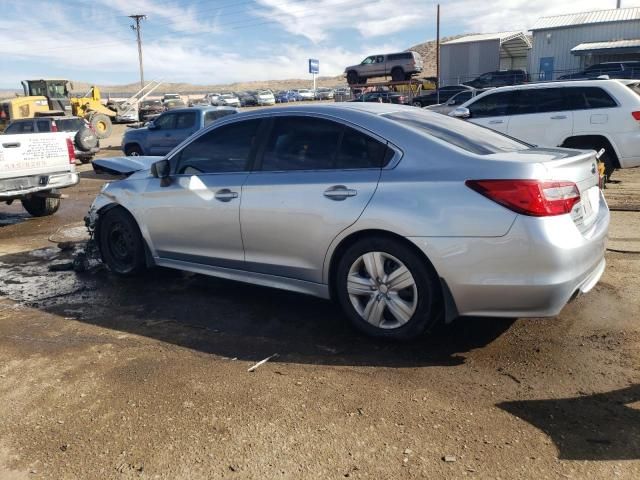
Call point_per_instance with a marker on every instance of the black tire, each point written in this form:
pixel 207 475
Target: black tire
pixel 352 77
pixel 397 74
pixel 133 150
pixel 428 305
pixel 101 124
pixel 41 206
pixel 85 139
pixel 609 165
pixel 120 242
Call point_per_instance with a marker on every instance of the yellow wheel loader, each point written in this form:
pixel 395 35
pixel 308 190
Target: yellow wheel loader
pixel 51 97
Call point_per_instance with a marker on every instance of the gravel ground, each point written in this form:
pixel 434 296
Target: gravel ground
pixel 105 378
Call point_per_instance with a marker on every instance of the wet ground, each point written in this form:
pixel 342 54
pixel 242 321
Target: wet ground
pixel 102 377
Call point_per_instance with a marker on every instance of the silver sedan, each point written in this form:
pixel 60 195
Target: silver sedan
pixel 402 216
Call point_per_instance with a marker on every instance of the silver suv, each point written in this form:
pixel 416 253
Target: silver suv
pixel 400 66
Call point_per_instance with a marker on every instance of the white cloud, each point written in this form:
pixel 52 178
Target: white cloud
pixel 93 43
pixel 317 19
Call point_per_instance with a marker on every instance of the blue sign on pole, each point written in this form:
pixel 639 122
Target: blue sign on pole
pixel 314 65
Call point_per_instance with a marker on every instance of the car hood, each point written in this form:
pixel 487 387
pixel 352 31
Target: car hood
pixel 123 165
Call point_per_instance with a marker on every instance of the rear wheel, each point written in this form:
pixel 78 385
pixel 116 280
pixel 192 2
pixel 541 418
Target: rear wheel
pixel 41 206
pixel 101 124
pixel 387 290
pixel 397 74
pixel 120 242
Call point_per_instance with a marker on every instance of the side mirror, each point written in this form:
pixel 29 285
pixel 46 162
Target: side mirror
pixel 152 126
pixel 162 170
pixel 461 112
pixel 452 102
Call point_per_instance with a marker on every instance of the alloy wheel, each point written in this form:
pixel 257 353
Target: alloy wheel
pixel 382 290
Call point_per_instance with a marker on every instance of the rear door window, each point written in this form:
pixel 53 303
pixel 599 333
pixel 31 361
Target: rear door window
pixel 493 105
pixel 358 150
pixel 301 143
pixel 592 97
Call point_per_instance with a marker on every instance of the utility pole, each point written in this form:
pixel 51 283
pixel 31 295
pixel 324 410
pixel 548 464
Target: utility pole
pixel 136 28
pixel 438 54
pixel 618 4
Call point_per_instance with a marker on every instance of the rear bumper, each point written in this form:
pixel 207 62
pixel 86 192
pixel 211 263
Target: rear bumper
pixel 532 271
pixel 12 188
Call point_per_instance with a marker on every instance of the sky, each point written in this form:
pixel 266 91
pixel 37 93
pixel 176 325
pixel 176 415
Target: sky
pixel 223 41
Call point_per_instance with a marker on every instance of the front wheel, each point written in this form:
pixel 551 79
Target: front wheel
pixel 132 150
pixel 387 290
pixel 120 242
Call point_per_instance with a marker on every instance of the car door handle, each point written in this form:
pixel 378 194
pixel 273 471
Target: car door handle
pixel 558 117
pixel 496 122
pixel 339 192
pixel 11 145
pixel 226 195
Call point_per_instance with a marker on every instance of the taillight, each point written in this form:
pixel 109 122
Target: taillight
pixel 530 197
pixel 71 151
pixel 636 115
pixel 54 127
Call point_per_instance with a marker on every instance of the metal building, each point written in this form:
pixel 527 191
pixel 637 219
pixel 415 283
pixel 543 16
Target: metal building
pixel 467 57
pixel 569 43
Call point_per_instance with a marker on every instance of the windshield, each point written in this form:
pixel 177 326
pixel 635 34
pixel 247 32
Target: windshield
pixel 151 103
pixel 462 134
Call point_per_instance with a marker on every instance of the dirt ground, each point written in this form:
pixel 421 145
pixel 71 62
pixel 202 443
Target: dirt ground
pixel 105 378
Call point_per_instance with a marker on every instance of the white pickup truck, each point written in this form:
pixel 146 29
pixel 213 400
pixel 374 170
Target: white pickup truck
pixel 32 169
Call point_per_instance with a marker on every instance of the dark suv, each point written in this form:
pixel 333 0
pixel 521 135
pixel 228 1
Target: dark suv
pixel 629 69
pixel 499 78
pixel 77 129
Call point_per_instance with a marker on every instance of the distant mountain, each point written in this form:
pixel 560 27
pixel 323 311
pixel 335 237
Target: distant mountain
pixel 426 49
pixel 428 52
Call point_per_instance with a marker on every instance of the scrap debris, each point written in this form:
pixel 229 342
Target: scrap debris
pixel 262 362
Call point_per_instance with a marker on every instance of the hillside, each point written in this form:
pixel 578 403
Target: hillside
pixel 428 52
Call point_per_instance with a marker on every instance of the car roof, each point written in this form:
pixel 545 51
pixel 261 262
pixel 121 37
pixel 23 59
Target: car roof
pixel 557 83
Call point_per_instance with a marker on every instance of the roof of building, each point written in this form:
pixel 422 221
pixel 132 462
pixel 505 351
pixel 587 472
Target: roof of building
pixel 582 18
pixel 481 37
pixel 607 45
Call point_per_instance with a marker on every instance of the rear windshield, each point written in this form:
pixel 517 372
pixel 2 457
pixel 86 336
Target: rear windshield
pixel 69 124
pixel 462 134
